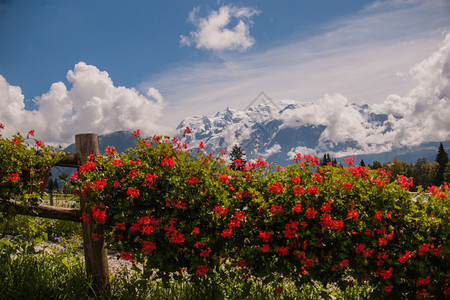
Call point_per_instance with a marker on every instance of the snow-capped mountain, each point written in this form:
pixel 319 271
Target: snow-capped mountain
pixel 277 130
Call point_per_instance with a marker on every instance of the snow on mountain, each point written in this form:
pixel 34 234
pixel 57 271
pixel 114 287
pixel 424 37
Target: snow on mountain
pixel 277 130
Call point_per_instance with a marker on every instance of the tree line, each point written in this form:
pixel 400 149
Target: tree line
pixel 423 172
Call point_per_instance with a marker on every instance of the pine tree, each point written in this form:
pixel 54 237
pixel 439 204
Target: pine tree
pixel 375 165
pixel 325 160
pixel 442 160
pixel 447 173
pixel 237 157
pixel 362 163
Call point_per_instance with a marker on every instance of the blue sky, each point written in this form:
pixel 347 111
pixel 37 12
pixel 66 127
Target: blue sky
pixel 149 64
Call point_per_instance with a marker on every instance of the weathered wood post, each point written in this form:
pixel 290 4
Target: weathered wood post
pixel 94 252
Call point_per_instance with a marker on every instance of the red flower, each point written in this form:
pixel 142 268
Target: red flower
pixel 205 252
pixel 359 248
pixel 344 263
pixel 133 193
pixel 110 150
pixel 148 247
pixel 386 274
pixel 223 178
pixel 276 209
pixel 313 190
pixel 349 161
pixel 310 213
pixel 423 281
pixel 13 176
pixel 126 256
pixel 388 288
pixel 242 263
pixel 297 208
pixel 98 215
pixel 297 157
pixel 120 226
pixel 276 188
pixel 317 177
pixel 265 236
pixel 201 146
pixel 347 186
pixel 195 231
pixel 282 251
pixel 382 242
pixel 228 233
pixel 202 270
pixel 298 190
pixel 177 238
pixel 192 180
pixel 168 162
pixel 291 229
pixel 424 249
pixel 187 130
pixel 326 206
pixel 220 211
pixel 265 248
pixel 404 258
pixel 31 132
pixel 85 217
pixel 353 215
pixel 118 162
pixel 296 180
pixel 405 182
pixel 137 132
pixel 39 143
pixel 378 215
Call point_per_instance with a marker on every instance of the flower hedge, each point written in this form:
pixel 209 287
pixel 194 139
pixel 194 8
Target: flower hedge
pixel 25 167
pixel 185 211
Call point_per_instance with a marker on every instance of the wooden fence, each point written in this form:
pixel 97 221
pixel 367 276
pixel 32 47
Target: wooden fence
pixel 95 252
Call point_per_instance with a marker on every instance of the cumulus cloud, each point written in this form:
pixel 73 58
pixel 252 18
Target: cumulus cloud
pixel 214 32
pixel 358 56
pixel 92 104
pixel 422 115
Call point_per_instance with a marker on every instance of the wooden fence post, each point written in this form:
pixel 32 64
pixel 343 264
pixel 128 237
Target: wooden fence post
pixel 95 252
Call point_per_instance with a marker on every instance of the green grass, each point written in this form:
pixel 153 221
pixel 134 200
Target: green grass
pixel 29 274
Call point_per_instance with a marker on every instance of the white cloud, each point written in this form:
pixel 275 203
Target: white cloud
pixel 93 104
pixel 272 150
pixel 213 32
pixel 359 57
pixel 425 108
pixel 422 115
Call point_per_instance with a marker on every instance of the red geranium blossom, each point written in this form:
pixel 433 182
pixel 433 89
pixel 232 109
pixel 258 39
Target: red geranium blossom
pixel 202 270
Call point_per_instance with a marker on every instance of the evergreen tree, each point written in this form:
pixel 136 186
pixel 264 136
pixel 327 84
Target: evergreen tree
pixel 325 160
pixel 447 173
pixel 442 160
pixel 424 173
pixel 362 163
pixel 375 165
pixel 334 162
pixel 237 157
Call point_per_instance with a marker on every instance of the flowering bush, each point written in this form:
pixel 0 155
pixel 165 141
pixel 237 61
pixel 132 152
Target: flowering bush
pixel 177 210
pixel 24 168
